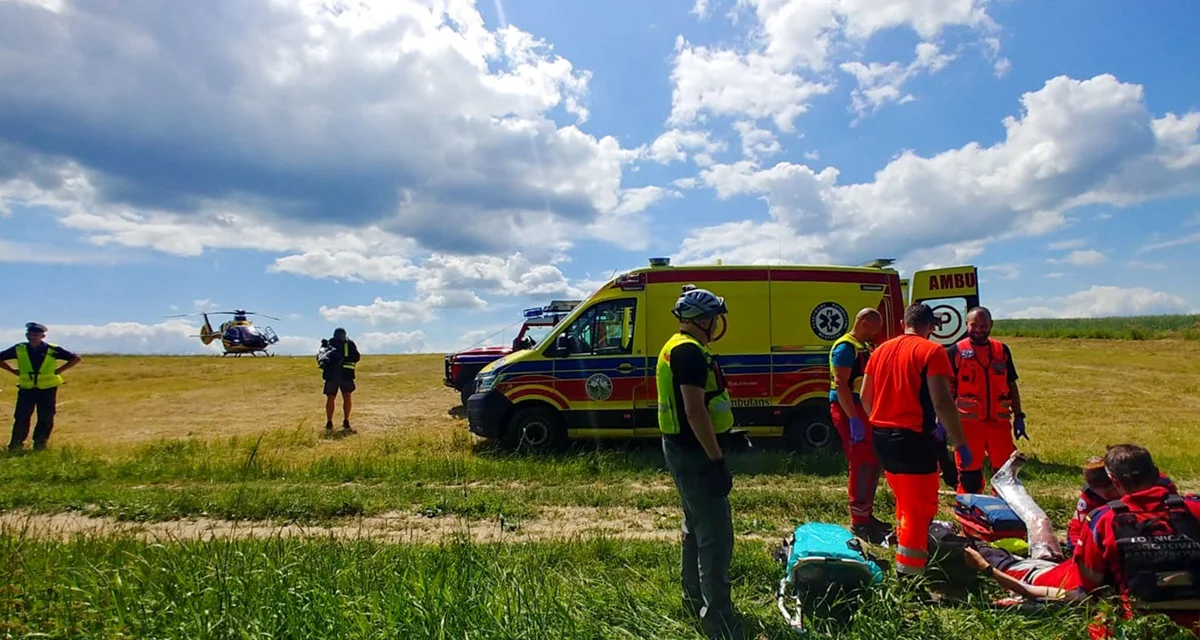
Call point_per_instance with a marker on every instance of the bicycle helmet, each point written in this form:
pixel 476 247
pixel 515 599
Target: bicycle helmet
pixel 698 304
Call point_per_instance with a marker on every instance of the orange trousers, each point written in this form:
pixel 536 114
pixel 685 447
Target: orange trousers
pixel 991 438
pixel 916 506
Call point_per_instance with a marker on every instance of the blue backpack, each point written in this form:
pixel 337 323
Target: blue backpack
pixel 824 563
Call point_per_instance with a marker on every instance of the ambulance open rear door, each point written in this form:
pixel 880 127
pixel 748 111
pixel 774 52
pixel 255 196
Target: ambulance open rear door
pixel 951 291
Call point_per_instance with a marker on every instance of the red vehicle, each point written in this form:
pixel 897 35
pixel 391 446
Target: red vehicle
pixel 461 367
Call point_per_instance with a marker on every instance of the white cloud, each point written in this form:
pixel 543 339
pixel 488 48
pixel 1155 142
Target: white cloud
pixel 395 342
pixel 673 145
pixel 380 311
pixel 1004 271
pixel 881 84
pixel 1063 245
pixel 1054 274
pixel 812 155
pixel 1103 216
pixel 1153 266
pixel 39 253
pixel 1174 242
pixel 1000 64
pixel 444 276
pixel 1105 301
pixel 1081 258
pixel 171 337
pixel 1049 162
pixel 294 128
pixel 807 32
pixel 728 83
pixel 700 9
pixel 756 143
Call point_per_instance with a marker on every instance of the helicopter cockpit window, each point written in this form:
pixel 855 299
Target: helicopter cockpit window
pixel 604 329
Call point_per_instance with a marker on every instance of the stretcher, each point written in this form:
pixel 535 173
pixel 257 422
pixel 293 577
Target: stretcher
pixel 825 567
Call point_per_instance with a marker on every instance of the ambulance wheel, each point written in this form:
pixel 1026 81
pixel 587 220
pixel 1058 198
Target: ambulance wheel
pixel 537 429
pixel 811 429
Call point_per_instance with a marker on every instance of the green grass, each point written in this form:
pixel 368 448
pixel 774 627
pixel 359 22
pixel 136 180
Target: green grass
pixel 150 441
pixel 1177 327
pixel 117 588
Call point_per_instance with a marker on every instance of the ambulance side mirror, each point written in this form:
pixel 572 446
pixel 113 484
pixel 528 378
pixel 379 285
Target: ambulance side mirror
pixel 561 347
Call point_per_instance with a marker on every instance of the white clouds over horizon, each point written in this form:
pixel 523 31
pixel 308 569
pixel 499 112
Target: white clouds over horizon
pixel 418 169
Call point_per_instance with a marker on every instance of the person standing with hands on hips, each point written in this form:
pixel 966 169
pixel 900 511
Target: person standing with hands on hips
pixel 38 378
pixel 848 359
pixel 905 391
pixel 694 410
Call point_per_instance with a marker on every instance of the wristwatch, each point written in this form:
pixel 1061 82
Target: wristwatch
pixel 1021 415
pixel 989 571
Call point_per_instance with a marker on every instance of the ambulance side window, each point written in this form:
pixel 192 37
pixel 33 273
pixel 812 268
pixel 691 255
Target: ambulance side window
pixel 604 329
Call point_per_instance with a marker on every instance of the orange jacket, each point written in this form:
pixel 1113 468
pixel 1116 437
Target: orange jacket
pixel 981 386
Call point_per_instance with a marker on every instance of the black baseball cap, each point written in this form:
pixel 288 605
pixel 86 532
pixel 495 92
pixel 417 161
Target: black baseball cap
pixel 339 333
pixel 33 327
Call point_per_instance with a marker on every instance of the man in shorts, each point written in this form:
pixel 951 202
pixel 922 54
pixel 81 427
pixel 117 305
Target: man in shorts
pixel 338 373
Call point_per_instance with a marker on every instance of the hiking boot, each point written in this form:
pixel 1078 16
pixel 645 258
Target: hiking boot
pixel 885 528
pixel 328 425
pixel 39 446
pixel 870 532
pixel 346 428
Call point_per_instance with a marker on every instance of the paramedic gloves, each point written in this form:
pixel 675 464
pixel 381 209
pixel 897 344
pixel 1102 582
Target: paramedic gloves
pixel 1019 428
pixel 964 456
pixel 720 481
pixel 857 432
pixel 939 432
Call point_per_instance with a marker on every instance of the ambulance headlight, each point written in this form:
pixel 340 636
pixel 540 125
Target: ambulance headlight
pixel 484 382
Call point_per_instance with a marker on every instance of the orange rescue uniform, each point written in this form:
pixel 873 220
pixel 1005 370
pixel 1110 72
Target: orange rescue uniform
pixel 983 393
pixel 904 421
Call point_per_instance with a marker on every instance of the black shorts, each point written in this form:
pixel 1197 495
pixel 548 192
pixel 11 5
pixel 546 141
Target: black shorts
pixel 332 385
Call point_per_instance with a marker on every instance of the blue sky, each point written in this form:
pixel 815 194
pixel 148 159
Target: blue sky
pixel 419 172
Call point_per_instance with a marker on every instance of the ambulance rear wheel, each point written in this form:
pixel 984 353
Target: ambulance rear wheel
pixel 536 429
pixel 811 429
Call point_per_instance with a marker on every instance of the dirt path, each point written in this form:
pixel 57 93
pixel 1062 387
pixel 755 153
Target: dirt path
pixel 552 523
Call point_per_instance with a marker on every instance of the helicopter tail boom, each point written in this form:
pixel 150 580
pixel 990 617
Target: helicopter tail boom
pixel 207 335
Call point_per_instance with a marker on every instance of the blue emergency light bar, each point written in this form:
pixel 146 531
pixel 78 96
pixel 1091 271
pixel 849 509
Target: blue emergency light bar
pixel 535 312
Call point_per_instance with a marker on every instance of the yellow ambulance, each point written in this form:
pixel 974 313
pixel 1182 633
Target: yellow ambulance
pixel 593 376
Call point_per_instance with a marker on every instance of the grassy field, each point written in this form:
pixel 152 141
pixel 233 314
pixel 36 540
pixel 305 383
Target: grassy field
pixel 1179 327
pixel 197 497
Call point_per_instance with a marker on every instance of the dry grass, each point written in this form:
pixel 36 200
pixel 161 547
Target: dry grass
pixel 1079 395
pixel 120 400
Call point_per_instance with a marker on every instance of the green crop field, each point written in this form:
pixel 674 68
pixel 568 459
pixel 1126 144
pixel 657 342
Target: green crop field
pixel 1179 327
pixel 198 497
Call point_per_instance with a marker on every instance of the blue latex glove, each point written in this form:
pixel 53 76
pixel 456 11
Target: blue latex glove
pixel 939 431
pixel 858 432
pixel 964 456
pixel 1019 429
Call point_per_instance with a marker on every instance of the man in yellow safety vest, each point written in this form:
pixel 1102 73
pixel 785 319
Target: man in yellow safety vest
pixel 38 379
pixel 694 416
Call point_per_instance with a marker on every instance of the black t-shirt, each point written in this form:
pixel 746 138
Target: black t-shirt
pixel 333 367
pixel 688 367
pixel 952 351
pixel 37 356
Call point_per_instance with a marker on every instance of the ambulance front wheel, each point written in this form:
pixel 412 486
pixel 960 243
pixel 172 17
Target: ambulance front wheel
pixel 811 429
pixel 536 429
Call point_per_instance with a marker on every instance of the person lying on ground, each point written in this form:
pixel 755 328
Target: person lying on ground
pixel 1028 577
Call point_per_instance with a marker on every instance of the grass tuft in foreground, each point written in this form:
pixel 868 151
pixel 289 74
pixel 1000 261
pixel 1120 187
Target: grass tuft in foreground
pixel 115 587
